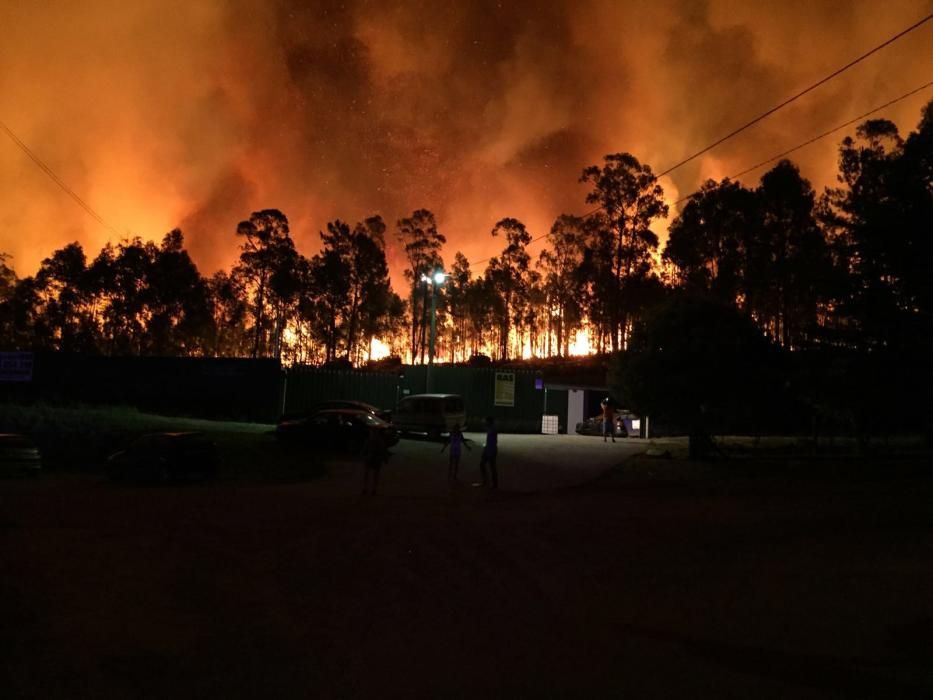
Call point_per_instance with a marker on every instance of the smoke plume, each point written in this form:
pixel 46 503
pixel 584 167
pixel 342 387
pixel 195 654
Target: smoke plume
pixel 195 114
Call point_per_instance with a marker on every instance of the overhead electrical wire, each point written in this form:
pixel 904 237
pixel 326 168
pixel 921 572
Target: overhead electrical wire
pixel 58 181
pixel 829 132
pixel 822 81
pixel 764 115
pixel 771 159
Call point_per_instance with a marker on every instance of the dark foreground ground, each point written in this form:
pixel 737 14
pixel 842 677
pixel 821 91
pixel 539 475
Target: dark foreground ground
pixel 750 580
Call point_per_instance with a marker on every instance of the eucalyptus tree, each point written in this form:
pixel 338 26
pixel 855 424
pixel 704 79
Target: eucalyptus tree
pixel 180 304
pixel 598 280
pixel 267 262
pixel 371 296
pixel 563 283
pixel 509 273
pixel 328 288
pixel 793 260
pixel 422 243
pixel 879 221
pixel 231 309
pixel 631 200
pixel 710 242
pixel 65 302
pixel 119 277
pixel 457 295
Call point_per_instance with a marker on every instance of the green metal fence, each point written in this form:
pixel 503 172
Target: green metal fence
pixel 307 386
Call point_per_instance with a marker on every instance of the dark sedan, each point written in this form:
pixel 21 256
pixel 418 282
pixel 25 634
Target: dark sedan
pixel 353 406
pixel 164 457
pixel 335 429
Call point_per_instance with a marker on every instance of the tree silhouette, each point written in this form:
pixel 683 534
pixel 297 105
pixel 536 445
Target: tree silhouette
pixel 65 302
pixel 793 258
pixel 509 272
pixel 458 289
pixel 710 242
pixel 631 200
pixel 849 272
pixel 230 307
pixel 761 250
pixel 422 244
pixel 598 281
pixel 866 220
pixel 482 302
pixel 331 271
pixel 564 287
pixel 118 276
pixel 696 362
pixel 180 307
pixel 370 290
pixel 267 259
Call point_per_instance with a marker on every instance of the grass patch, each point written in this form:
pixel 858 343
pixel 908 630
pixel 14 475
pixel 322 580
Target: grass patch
pixel 79 439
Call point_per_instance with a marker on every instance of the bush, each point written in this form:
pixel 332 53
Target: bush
pixel 698 364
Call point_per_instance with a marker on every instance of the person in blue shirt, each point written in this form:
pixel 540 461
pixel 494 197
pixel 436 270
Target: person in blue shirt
pixel 490 450
pixel 456 441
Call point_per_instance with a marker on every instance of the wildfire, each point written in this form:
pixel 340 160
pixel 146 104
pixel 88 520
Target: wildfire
pixel 378 350
pixel 580 345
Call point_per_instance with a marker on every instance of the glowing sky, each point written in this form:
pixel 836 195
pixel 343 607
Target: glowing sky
pixel 194 114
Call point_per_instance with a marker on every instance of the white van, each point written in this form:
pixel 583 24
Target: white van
pixel 429 413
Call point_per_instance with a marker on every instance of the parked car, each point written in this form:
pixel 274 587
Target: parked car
pixel 335 429
pixel 382 413
pixel 164 457
pixel 430 413
pixel 19 456
pixel 594 425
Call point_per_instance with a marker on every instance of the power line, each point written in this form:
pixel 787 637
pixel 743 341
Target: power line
pixel 58 181
pixel 817 138
pixel 774 109
pixel 800 94
pixel 771 159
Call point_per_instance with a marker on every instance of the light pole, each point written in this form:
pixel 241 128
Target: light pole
pixel 435 280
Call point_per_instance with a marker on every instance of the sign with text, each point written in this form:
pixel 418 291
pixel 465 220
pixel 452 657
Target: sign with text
pixel 505 389
pixel 16 366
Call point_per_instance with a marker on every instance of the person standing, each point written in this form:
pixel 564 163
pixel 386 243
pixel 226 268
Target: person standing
pixel 490 452
pixel 456 441
pixel 609 427
pixel 375 454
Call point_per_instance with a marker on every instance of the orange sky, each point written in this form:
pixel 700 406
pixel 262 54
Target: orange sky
pixel 194 114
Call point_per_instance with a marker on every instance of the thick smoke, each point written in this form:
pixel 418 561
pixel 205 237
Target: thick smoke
pixel 195 114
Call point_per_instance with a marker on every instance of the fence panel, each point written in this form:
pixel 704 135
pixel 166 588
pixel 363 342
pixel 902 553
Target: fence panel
pixel 307 386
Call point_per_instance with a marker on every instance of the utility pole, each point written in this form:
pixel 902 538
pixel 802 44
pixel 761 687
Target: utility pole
pixel 435 281
pixel 433 324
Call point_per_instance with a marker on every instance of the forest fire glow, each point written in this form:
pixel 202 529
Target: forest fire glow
pixel 580 345
pixel 314 170
pixel 378 350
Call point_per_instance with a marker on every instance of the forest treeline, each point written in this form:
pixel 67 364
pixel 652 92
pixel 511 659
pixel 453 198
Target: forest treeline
pixel 849 268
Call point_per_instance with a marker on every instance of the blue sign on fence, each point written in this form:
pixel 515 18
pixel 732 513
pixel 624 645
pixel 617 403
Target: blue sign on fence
pixel 16 366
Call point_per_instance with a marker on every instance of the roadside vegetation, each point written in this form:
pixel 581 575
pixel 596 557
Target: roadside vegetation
pixel 79 438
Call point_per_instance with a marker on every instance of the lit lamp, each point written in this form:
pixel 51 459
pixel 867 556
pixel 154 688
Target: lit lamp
pixel 435 280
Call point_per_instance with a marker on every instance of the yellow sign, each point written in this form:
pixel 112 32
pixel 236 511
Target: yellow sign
pixel 505 389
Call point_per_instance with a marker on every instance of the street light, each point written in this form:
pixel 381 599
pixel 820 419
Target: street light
pixel 435 280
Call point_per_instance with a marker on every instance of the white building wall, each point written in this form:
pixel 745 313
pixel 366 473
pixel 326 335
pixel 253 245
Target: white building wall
pixel 574 408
